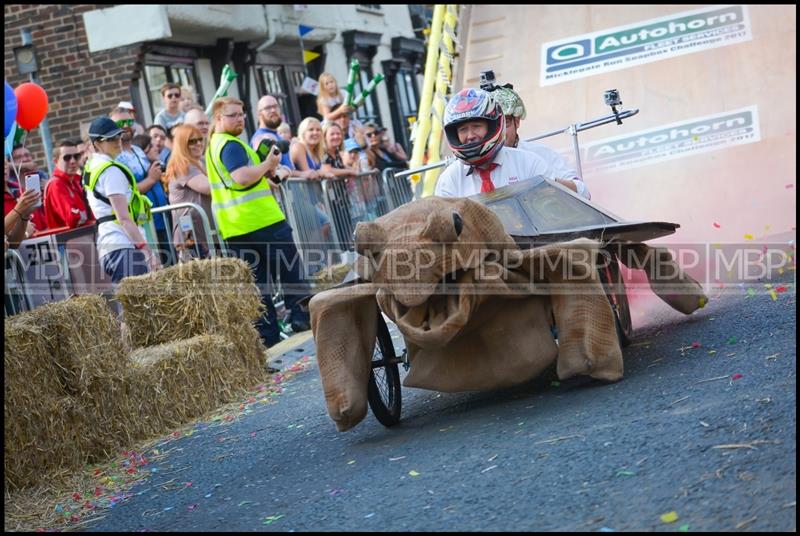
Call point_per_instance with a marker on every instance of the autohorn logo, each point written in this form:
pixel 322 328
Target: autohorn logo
pixel 644 42
pixel 676 140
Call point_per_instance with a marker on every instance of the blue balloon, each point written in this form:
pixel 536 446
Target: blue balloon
pixel 10 111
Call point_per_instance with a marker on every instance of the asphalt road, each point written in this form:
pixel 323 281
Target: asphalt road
pixel 721 453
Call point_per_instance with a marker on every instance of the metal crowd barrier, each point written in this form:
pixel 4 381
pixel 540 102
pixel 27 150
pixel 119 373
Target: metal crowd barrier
pixel 398 189
pixel 324 213
pixel 17 298
pixel 191 245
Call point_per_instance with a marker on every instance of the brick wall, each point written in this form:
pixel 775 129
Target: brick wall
pixel 80 85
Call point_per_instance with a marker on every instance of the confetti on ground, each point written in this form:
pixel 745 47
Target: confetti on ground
pixel 732 340
pixel 773 295
pixel 669 517
pixel 748 237
pixel 489 468
pixel 736 377
pixel 413 473
pixel 789 186
pixel 395 459
pixel 780 288
pixel 351 462
pixel 684 528
pixel 696 344
pixel 555 439
pixel 716 225
pixel 271 519
pixel 555 383
pixel 679 400
pixel 751 292
pixel 713 379
pixel 625 473
pixel 746 522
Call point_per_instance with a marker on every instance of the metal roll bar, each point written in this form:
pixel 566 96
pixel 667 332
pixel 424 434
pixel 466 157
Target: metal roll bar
pixel 572 130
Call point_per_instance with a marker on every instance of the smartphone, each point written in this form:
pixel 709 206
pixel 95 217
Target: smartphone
pixel 33 181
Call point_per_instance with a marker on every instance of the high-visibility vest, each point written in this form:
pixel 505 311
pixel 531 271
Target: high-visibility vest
pixel 139 205
pixel 238 209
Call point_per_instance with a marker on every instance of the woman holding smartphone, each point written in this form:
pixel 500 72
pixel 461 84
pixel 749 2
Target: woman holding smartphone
pixel 118 206
pixel 18 211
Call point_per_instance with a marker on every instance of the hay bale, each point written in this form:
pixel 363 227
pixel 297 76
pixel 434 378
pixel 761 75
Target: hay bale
pixel 330 276
pixel 198 297
pixel 29 371
pixel 175 382
pixel 49 438
pixel 82 338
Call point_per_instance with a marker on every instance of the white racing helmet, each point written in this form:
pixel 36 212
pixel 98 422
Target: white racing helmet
pixel 472 104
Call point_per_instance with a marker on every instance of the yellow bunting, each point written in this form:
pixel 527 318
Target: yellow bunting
pixel 310 56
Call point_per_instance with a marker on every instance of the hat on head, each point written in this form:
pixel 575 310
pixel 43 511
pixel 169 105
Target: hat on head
pixel 103 128
pixel 126 105
pixel 351 145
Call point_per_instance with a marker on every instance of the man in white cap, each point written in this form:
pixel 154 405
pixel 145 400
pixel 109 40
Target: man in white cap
pixel 126 105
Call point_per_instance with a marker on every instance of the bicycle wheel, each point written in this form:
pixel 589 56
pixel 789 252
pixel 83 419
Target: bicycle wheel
pixel 614 286
pixel 383 391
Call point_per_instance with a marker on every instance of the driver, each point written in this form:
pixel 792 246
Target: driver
pixel 514 110
pixel 474 124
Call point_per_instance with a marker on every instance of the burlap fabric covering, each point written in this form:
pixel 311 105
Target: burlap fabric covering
pixel 475 311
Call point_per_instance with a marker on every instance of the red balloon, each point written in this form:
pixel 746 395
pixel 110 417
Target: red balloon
pixel 32 105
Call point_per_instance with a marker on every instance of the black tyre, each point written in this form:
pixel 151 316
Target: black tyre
pixel 614 286
pixel 383 391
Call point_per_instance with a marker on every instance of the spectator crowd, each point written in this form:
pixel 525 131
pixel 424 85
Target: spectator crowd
pixel 166 163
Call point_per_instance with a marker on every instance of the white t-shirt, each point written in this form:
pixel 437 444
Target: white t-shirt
pixel 514 165
pixel 557 163
pixel 110 236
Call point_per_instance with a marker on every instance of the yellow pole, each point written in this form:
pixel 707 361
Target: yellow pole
pixel 444 77
pixel 424 110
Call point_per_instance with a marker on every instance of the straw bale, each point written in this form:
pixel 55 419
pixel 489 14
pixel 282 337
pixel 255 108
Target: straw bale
pixel 175 382
pixel 330 276
pixel 48 438
pixel 202 296
pixel 82 339
pixel 29 370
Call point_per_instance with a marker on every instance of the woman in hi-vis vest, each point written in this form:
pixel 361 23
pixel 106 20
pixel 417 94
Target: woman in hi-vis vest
pixel 117 205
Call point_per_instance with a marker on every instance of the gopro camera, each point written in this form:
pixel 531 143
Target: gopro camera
pixel 488 81
pixel 611 97
pixel 267 144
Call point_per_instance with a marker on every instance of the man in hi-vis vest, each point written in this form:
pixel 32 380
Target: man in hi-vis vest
pixel 249 217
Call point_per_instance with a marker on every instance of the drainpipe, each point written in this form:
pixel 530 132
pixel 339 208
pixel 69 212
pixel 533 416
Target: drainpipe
pixel 271 36
pixel 44 126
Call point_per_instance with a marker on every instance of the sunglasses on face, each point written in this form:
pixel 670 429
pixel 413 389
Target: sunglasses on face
pixel 122 123
pixel 194 141
pixel 370 134
pixel 68 157
pixel 173 95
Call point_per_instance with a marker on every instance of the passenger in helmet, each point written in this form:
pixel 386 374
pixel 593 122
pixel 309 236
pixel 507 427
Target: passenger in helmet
pixel 514 111
pixel 474 125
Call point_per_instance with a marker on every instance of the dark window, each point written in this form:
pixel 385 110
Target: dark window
pixel 160 69
pixel 272 79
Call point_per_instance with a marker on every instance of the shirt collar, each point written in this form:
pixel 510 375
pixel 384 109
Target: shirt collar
pixel 498 159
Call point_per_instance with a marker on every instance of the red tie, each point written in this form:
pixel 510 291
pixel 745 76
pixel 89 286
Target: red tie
pixel 486 177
